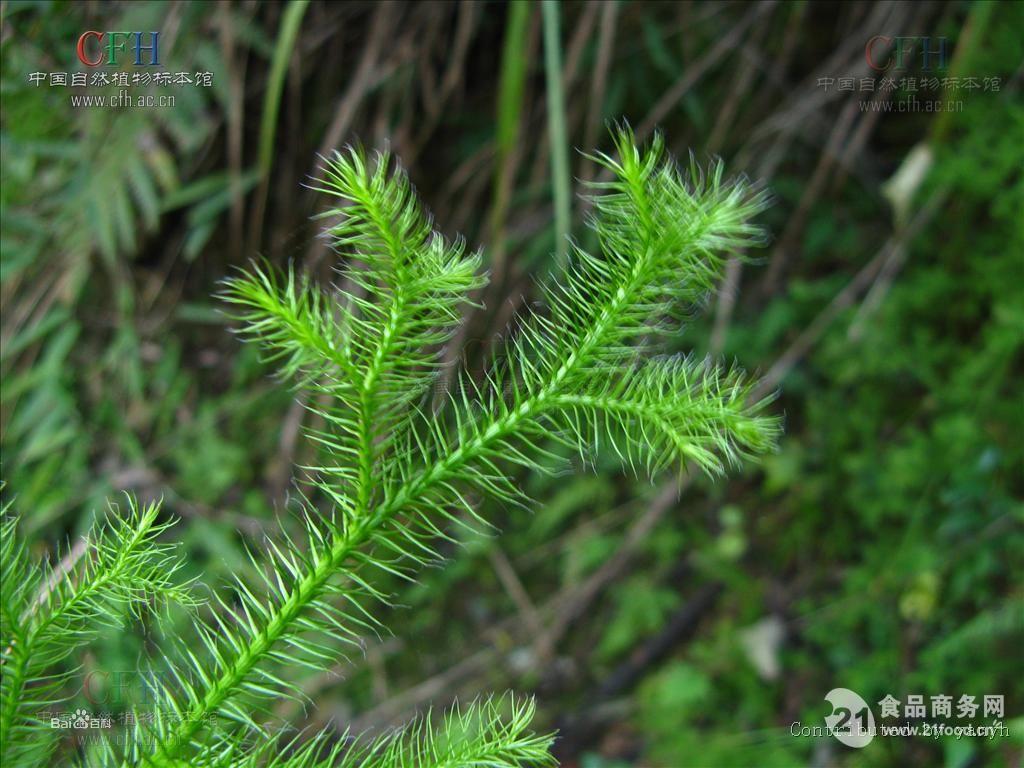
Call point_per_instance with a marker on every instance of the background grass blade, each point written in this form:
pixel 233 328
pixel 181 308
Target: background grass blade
pixel 557 127
pixel 290 23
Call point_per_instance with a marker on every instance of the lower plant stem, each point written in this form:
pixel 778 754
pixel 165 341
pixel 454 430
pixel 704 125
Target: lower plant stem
pixel 16 675
pixel 277 625
pixel 311 586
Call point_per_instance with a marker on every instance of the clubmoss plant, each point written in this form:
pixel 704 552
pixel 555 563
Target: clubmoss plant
pixel 584 373
pixel 47 613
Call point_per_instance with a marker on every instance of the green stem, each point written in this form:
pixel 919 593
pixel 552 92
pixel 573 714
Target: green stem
pixel 305 592
pixel 556 128
pixel 514 61
pixel 367 404
pixel 973 32
pixel 20 650
pixel 367 411
pixel 290 23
